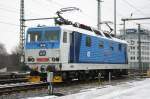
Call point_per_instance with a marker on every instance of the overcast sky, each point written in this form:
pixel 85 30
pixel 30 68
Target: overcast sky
pixel 9 14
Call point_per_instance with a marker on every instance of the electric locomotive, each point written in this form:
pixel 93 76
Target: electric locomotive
pixel 75 51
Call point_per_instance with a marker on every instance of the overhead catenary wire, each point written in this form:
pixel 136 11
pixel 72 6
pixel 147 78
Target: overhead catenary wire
pixel 8 10
pixel 56 3
pixel 134 7
pixel 10 7
pixel 39 3
pixel 59 4
pixel 8 23
pixel 123 16
pixel 15 11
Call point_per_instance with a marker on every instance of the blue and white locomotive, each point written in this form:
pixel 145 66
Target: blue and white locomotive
pixel 75 51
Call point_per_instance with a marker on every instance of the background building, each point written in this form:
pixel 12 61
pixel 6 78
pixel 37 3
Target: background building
pixel 131 36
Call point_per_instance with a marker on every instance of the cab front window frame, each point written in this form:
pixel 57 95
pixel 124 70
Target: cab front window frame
pixel 34 36
pixel 52 35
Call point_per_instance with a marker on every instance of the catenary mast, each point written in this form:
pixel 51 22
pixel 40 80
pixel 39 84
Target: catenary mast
pixel 22 31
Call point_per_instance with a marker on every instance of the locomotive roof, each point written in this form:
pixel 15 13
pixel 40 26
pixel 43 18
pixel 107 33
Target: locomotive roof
pixel 84 31
pixel 92 33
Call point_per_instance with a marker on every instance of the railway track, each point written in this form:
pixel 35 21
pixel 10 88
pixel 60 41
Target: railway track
pixel 15 80
pixel 8 78
pixel 59 89
pixel 18 87
pixel 13 75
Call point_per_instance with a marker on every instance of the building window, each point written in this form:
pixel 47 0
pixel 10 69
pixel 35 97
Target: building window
pixel 132 58
pixel 132 42
pixel 132 47
pixel 88 41
pixel 65 37
pixel 132 53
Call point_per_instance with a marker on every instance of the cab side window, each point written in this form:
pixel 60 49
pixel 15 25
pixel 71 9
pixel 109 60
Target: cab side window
pixel 65 37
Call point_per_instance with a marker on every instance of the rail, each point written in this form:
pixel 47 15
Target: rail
pixel 18 87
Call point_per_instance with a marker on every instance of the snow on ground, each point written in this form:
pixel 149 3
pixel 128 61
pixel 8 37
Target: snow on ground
pixel 127 90
pixel 44 97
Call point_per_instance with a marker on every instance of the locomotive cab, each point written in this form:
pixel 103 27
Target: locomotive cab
pixel 43 48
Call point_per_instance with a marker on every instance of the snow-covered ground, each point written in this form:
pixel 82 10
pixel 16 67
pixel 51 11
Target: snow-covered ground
pixel 127 90
pixel 45 97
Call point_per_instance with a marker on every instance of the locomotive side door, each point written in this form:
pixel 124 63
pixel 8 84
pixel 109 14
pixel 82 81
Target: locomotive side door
pixel 65 46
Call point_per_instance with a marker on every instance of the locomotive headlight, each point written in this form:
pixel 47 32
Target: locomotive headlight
pixel 31 59
pixel 57 58
pixel 53 59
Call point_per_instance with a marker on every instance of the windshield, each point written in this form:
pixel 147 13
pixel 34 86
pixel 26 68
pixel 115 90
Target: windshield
pixel 34 36
pixel 52 35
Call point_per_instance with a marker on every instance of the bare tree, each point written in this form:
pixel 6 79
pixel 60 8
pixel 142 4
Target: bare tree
pixel 3 56
pixel 14 64
pixel 11 61
pixel 2 49
pixel 15 60
pixel 16 50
